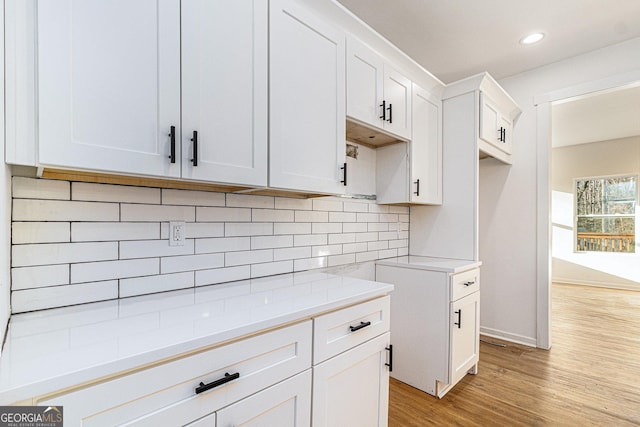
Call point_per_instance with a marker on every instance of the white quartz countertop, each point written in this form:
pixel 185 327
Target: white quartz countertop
pixel 446 265
pixel 54 349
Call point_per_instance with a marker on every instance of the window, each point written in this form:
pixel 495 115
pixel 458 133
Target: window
pixel 606 214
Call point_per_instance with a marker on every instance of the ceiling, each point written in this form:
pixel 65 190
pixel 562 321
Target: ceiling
pixel 454 39
pixel 601 116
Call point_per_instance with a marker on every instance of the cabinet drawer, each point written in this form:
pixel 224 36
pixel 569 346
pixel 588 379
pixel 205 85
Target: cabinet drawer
pixel 344 329
pixel 260 361
pixel 465 283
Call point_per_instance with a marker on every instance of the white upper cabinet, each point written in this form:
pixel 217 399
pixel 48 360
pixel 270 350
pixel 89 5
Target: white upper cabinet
pixel 307 101
pixel 109 82
pixel 412 172
pixel 495 128
pixel 109 85
pixel 224 91
pixel 377 94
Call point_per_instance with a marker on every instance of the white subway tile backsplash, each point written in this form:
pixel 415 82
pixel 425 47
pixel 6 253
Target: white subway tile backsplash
pixel 270 242
pixel 192 198
pixel 310 263
pixel 40 232
pixel 309 239
pixel 327 205
pixel 399 209
pixel 114 193
pixel 114 239
pixel 60 296
pixel 317 251
pixel 295 204
pixel 248 257
pixel 62 253
pixel 342 259
pixel 271 268
pixel 34 188
pixel 354 227
pixel 354 247
pixel 326 227
pixel 58 210
pixel 342 238
pixel 292 253
pixel 311 216
pixel 39 277
pixel 113 231
pixel 153 284
pixel 107 270
pixel 154 248
pixel 271 215
pixel 250 201
pixel 232 229
pixel 356 207
pixel 177 264
pixel 223 244
pixel 204 214
pixel 221 275
pixel 342 217
pixel 292 228
pixel 156 213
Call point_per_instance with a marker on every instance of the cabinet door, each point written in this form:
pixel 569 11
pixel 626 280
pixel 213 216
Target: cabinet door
pixel 352 389
pixel 465 335
pixel 426 148
pixel 397 96
pixel 109 85
pixel 224 90
pixel 364 84
pixel 287 404
pixel 307 101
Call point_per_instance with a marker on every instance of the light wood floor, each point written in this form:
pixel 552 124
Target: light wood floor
pixel 590 377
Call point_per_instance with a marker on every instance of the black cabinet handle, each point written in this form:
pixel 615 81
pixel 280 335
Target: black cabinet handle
pixel 390 364
pixel 195 148
pixel 344 168
pixel 503 134
pixel 459 313
pixel 417 183
pixel 172 134
pixel 360 326
pixel 227 377
pixel 384 111
pixel 469 283
pixel 390 108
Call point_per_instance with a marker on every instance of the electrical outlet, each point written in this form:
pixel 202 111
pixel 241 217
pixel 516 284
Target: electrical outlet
pixel 177 230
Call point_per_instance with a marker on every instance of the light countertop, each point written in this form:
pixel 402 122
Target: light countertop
pixel 446 265
pixel 54 349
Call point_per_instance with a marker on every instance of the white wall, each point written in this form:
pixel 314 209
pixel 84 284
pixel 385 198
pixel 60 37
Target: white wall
pixel 508 196
pixel 5 201
pixel 620 156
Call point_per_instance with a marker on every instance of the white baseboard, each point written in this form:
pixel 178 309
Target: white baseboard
pixel 507 336
pixel 623 286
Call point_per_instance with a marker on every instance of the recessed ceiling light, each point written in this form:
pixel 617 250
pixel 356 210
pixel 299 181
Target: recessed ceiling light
pixel 532 38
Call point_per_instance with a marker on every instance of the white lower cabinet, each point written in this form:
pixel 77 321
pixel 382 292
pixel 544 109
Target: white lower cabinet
pixel 436 325
pixel 352 389
pixel 265 380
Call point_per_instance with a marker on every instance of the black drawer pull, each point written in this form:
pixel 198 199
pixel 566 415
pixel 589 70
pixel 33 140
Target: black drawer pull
pixel 417 183
pixel 227 377
pixel 459 313
pixel 360 326
pixel 384 111
pixel 390 109
pixel 172 134
pixel 469 283
pixel 195 148
pixel 390 364
pixel 344 168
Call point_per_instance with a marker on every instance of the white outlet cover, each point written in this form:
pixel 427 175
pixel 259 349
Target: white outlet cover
pixel 177 231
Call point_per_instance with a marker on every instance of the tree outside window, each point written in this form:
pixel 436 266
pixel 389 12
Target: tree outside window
pixel 606 214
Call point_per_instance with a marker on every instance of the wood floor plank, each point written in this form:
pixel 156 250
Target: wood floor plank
pixel 590 377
